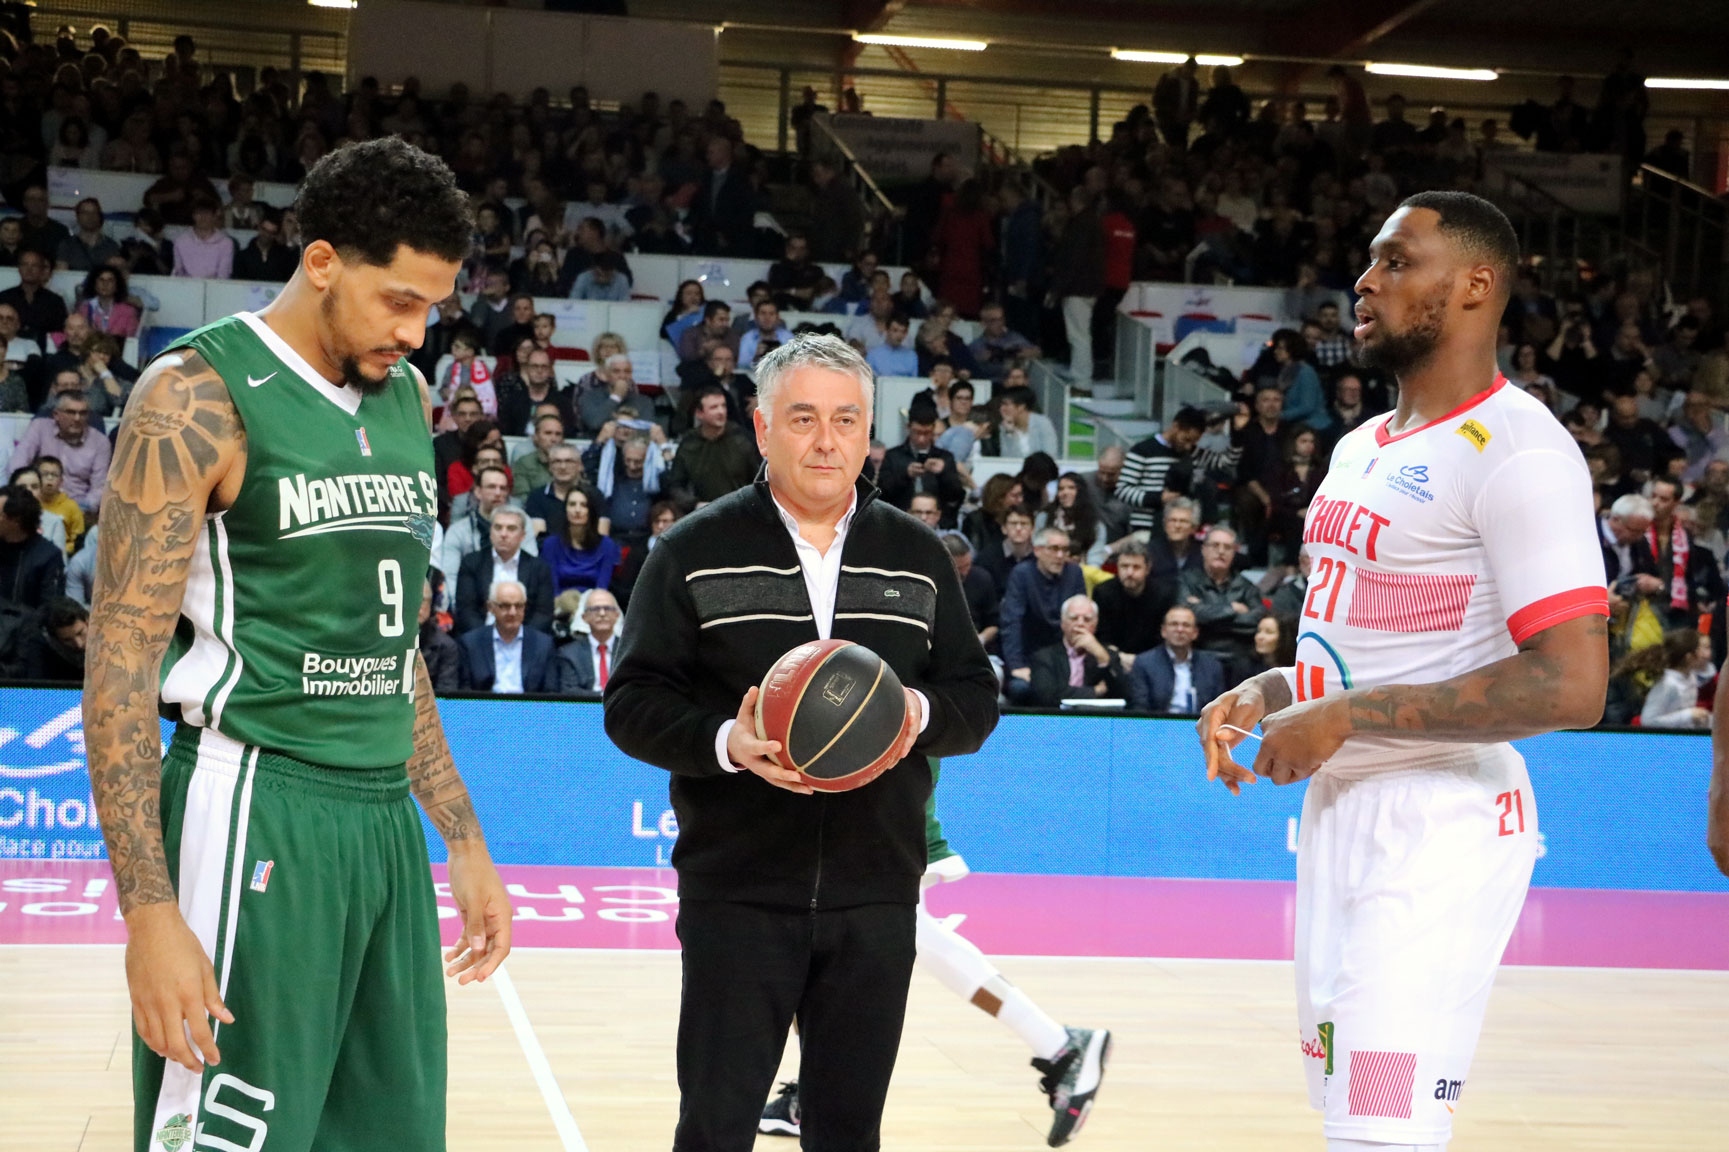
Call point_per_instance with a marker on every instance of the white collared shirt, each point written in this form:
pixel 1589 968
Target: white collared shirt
pixel 1183 682
pixel 822 583
pixel 502 571
pixel 506 663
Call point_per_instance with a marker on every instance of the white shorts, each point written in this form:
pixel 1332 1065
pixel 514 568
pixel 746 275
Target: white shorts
pixel 1408 887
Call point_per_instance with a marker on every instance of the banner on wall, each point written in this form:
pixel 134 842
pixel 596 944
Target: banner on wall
pixel 1054 795
pixel 1172 311
pixel 896 150
pixel 1586 182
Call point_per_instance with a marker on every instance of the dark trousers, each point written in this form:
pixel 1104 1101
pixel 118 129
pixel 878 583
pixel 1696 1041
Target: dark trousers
pixel 749 972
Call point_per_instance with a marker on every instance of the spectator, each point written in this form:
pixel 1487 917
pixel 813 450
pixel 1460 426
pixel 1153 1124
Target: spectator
pixel 983 603
pixel 532 469
pixel 964 242
pixel 1175 678
pixel 1021 265
pixel 924 207
pixel 1261 444
pixel 41 232
pixel 1288 599
pixel 32 570
pixel 1156 471
pixel 1073 512
pixel 505 658
pixel 206 252
pixel 599 407
pixel 717 371
pixel 722 215
pixel 715 329
pixel 1699 437
pixel 494 309
pixel 910 300
pixel 41 310
pixel 837 219
pixel 505 560
pixel 767 327
pixel 1680 667
pixel 1293 490
pixel 466 372
pixel 1629 565
pixel 603 281
pixel 1645 448
pixel 1032 608
pixel 713 458
pixel 689 309
pixel 793 279
pixel 242 212
pixel 1007 543
pixel 1348 410
pixel 67 437
pixel 1336 345
pixel 53 528
pixel 999 347
pixel 1305 401
pixel 1677 358
pixel 52 496
pixel 511 335
pixel 918 466
pixel 52 650
pixel 105 303
pixel 892 356
pixel 442 654
pixel 520 399
pixel 470 530
pixel 268 259
pixel 147 251
pixel 1025 430
pixel 580 557
pixel 447 447
pixel 1672 156
pixel 1692 578
pixel 173 196
pixel 1275 645
pixel 1077 666
pixel 960 437
pixel 11 240
pixel 870 328
pixel 1077 278
pixel 628 477
pixel 1227 605
pixel 545 505
pixel 90 246
pixel 1571 357
pixel 660 517
pixel 1132 607
pixel 585 660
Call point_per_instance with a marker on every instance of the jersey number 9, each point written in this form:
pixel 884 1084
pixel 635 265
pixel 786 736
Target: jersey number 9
pixel 390 591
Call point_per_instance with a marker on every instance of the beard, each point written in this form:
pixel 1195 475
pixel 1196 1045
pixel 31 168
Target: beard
pixel 1401 352
pixel 352 374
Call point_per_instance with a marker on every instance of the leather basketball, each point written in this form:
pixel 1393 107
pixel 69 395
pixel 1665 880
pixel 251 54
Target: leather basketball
pixel 837 710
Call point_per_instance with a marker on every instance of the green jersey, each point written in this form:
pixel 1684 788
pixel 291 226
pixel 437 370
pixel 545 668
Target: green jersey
pixel 299 624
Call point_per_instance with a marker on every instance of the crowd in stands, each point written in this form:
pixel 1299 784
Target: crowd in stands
pixel 1162 574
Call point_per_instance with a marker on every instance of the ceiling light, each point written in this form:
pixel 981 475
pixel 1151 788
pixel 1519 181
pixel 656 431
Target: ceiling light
pixel 1678 82
pixel 920 42
pixel 1430 72
pixel 1137 56
pixel 334 3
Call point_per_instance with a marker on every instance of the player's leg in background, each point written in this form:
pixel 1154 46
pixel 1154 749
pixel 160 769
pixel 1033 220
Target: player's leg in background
pixel 388 1087
pixel 1428 873
pixel 258 883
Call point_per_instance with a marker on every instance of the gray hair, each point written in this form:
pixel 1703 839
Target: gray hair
pixel 1079 600
pixel 1180 504
pixel 1045 534
pixel 957 544
pixel 1632 507
pixel 511 510
pixel 1219 529
pixel 1133 547
pixel 618 358
pixel 812 350
pixel 500 585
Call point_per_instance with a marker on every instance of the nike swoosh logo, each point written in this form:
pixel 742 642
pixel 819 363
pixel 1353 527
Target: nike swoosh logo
pixel 256 383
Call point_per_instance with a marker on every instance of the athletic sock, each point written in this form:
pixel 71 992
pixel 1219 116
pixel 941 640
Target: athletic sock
pixel 1027 1020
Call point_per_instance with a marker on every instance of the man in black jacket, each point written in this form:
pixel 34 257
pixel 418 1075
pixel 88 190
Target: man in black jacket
pixel 916 466
pixel 505 560
pixel 793 903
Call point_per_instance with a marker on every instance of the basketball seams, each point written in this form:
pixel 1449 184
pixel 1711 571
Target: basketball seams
pixel 864 702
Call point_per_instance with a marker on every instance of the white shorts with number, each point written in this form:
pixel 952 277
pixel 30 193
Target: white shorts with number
pixel 1409 884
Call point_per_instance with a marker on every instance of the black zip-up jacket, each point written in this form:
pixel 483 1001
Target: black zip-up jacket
pixel 720 599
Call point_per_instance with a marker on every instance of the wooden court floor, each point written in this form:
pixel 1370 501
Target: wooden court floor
pixel 1571 1059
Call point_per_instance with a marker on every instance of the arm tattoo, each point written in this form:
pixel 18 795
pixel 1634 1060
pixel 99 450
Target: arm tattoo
pixel 1523 695
pixel 432 770
pixel 179 435
pixel 1274 690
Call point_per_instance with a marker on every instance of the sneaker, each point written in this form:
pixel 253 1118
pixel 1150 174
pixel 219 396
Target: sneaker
pixel 944 870
pixel 780 1116
pixel 1071 1081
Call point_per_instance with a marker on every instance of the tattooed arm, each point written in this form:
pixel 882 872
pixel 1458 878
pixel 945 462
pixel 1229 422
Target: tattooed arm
pixel 474 883
pixel 1557 679
pixel 181 446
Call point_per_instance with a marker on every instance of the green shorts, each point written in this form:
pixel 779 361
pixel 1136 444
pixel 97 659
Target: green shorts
pixel 310 890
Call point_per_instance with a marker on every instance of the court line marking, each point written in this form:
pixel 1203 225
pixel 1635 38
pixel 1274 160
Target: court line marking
pixel 568 1133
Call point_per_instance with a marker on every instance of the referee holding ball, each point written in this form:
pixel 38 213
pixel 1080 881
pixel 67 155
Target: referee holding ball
pixel 793 904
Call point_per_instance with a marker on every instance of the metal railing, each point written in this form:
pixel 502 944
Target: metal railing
pixel 881 216
pixel 1684 228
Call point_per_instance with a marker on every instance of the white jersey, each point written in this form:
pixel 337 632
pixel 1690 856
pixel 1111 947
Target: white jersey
pixel 1438 551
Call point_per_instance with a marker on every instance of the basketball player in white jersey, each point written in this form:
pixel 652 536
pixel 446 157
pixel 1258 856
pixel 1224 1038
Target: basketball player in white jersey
pixel 1456 602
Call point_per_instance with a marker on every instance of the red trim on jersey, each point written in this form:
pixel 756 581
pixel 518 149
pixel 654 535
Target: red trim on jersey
pixel 1557 609
pixel 1383 439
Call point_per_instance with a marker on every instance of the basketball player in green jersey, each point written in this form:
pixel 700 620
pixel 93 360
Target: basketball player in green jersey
pixel 265 532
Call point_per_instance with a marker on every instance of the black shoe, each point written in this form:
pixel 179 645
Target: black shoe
pixel 780 1116
pixel 1071 1080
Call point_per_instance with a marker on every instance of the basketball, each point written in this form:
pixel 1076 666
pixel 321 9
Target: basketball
pixel 837 710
